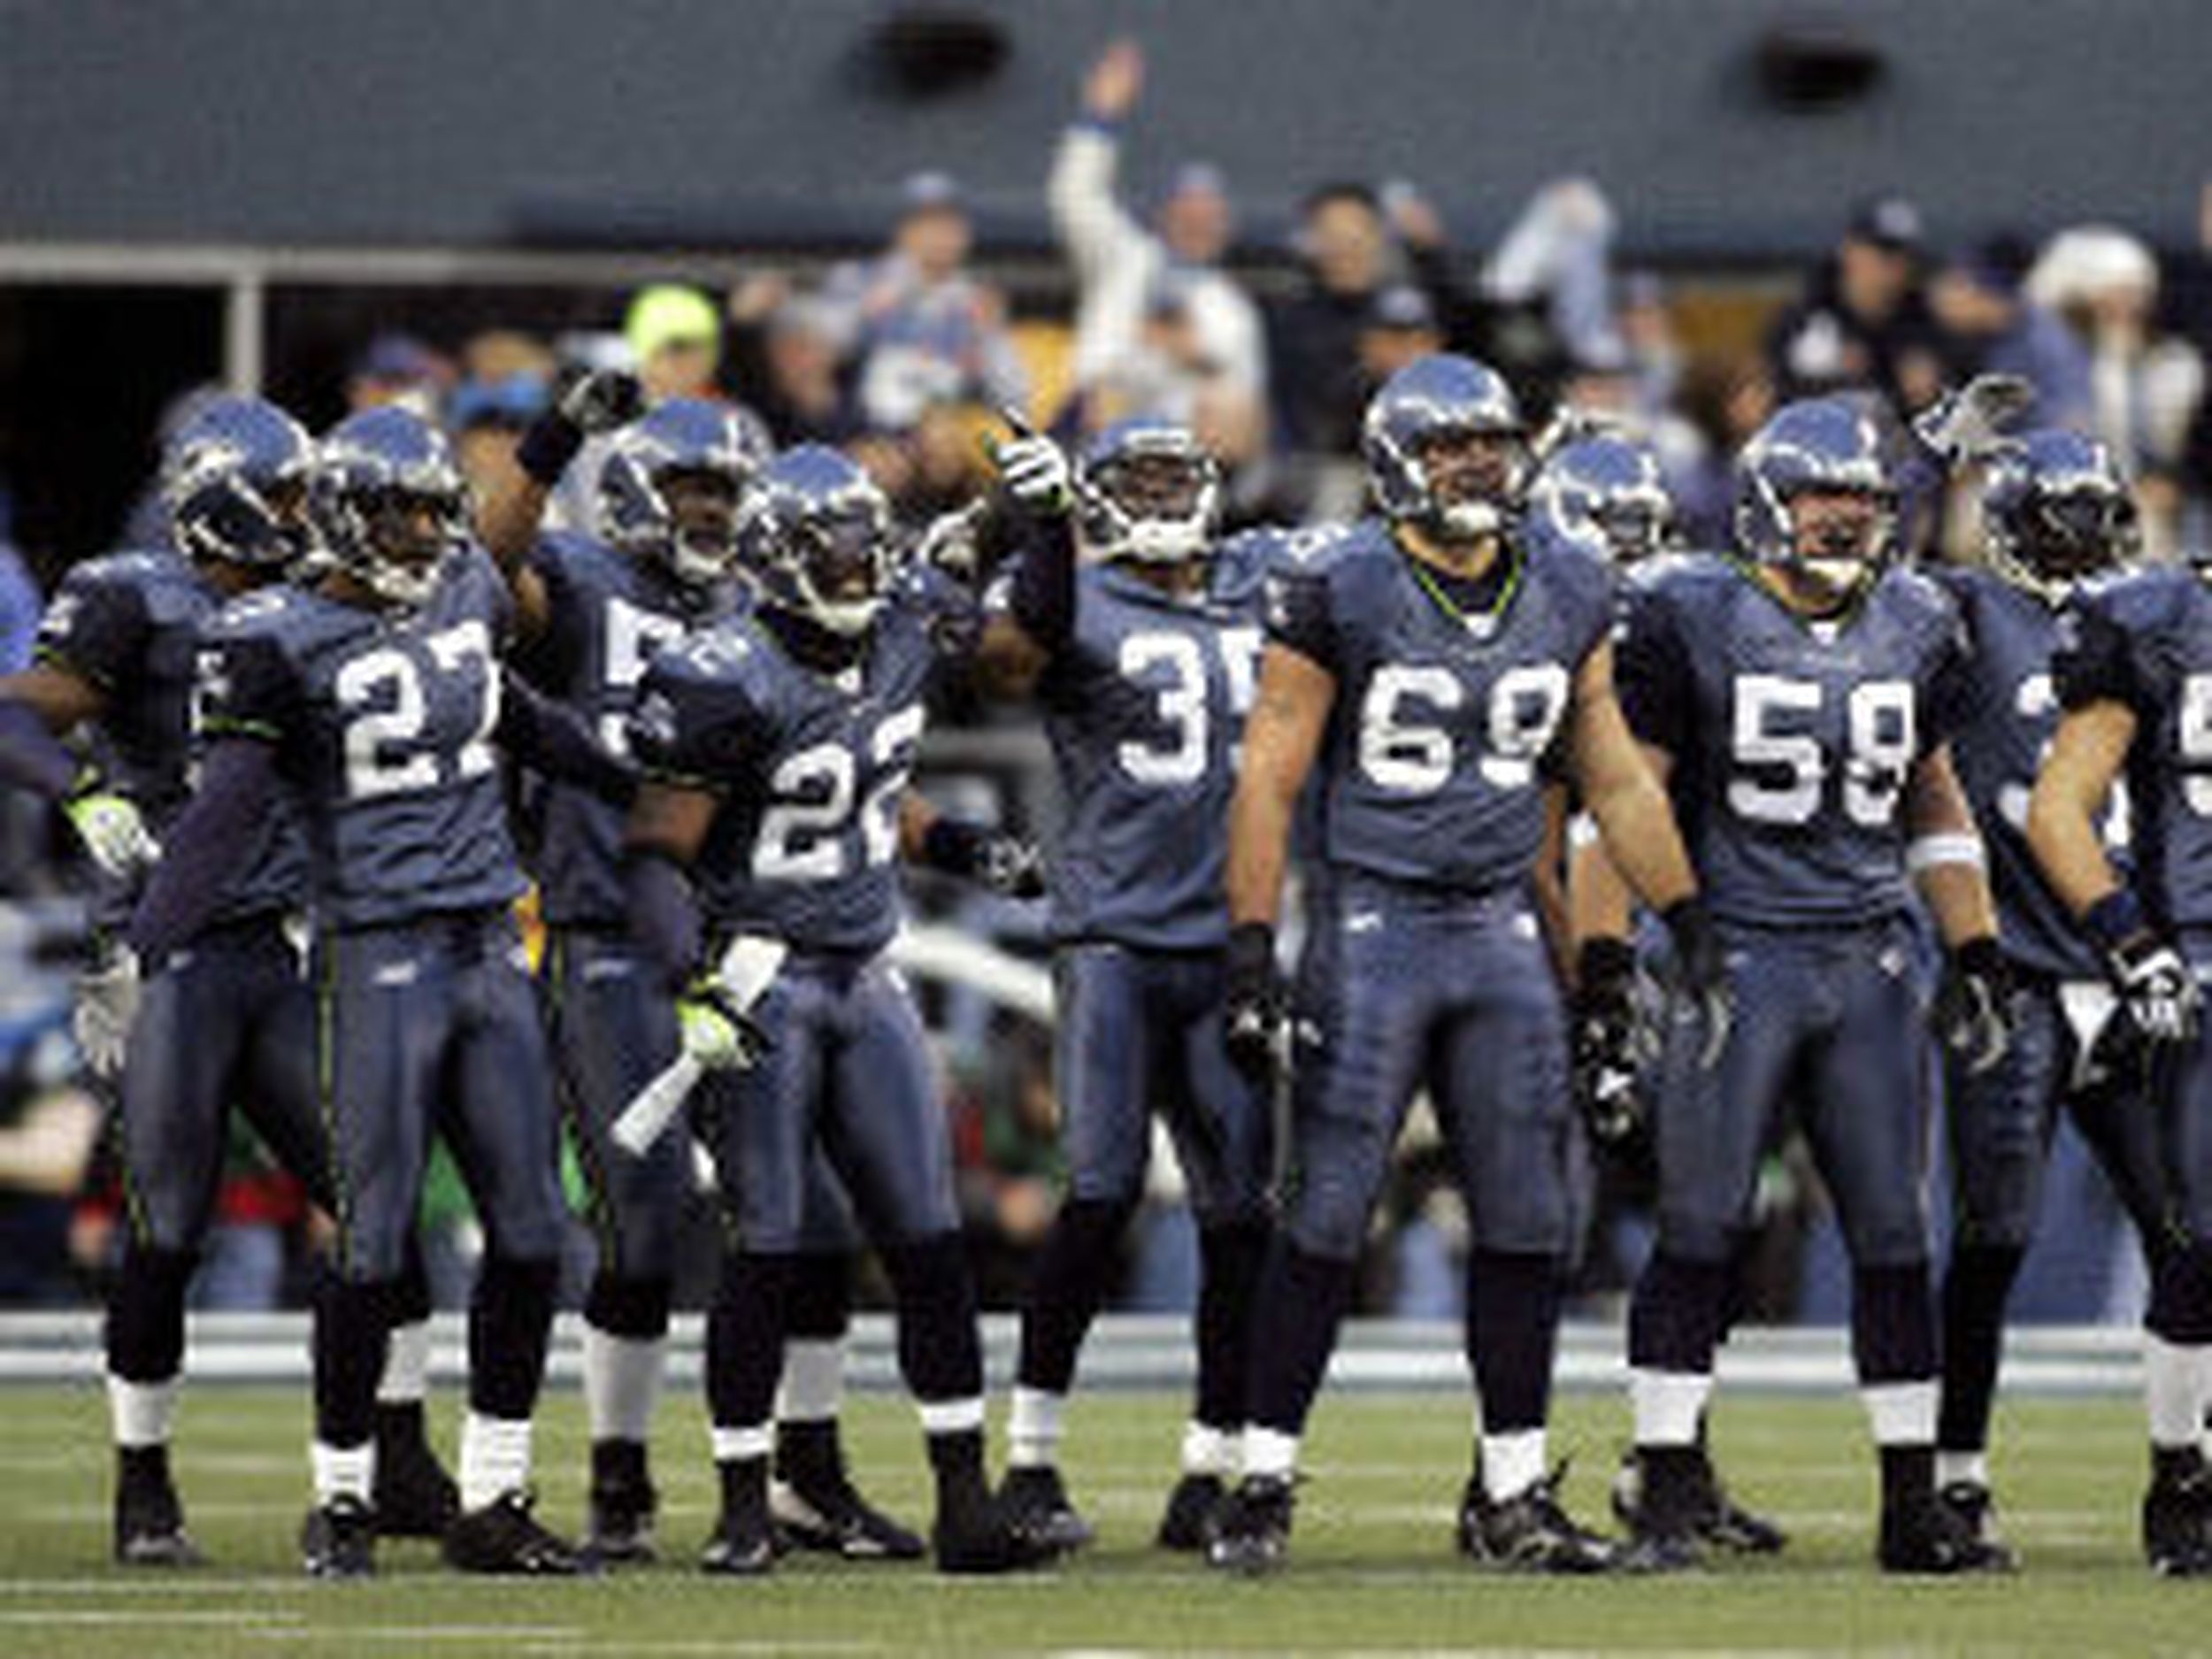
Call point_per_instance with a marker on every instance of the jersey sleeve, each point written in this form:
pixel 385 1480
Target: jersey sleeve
pixel 2093 660
pixel 96 629
pixel 1651 668
pixel 1300 612
pixel 695 723
pixel 246 686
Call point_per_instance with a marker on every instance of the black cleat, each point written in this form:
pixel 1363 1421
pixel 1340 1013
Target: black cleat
pixel 1036 1501
pixel 1973 1508
pixel 415 1497
pixel 618 1513
pixel 504 1538
pixel 743 1545
pixel 1252 1527
pixel 1529 1531
pixel 1922 1534
pixel 338 1540
pixel 149 1517
pixel 1188 1525
pixel 969 1537
pixel 828 1515
pixel 2177 1519
pixel 1667 1509
pixel 1721 1524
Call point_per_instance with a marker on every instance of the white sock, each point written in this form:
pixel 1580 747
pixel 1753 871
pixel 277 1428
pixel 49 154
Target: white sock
pixel 343 1471
pixel 142 1412
pixel 812 1389
pixel 622 1383
pixel 1971 1468
pixel 951 1416
pixel 1512 1463
pixel 495 1458
pixel 1668 1405
pixel 406 1377
pixel 1208 1450
pixel 2177 1381
pixel 1270 1453
pixel 1032 1428
pixel 1901 1413
pixel 737 1445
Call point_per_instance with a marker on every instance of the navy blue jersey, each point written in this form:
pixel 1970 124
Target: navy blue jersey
pixel 383 723
pixel 809 768
pixel 2009 711
pixel 1792 740
pixel 2143 639
pixel 1433 765
pixel 1145 708
pixel 131 625
pixel 609 613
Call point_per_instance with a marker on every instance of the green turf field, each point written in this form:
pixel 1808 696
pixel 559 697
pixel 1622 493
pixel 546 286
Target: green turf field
pixel 1372 1569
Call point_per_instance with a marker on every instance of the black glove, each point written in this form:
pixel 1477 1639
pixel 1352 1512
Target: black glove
pixel 1253 1011
pixel 1604 1028
pixel 1973 1005
pixel 1006 864
pixel 596 401
pixel 1700 977
pixel 2156 989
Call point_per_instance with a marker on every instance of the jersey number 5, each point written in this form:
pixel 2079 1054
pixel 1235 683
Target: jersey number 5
pixel 1781 774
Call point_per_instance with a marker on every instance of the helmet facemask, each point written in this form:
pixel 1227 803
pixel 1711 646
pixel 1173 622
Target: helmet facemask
pixel 399 538
pixel 1150 506
pixel 1840 536
pixel 1472 479
pixel 838 569
pixel 701 505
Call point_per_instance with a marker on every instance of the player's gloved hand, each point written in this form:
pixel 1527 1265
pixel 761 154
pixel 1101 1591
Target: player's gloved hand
pixel 717 1033
pixel 1253 1010
pixel 1005 863
pixel 596 401
pixel 1603 1018
pixel 1701 975
pixel 2160 995
pixel 106 1008
pixel 1973 1004
pixel 1968 422
pixel 1033 470
pixel 114 832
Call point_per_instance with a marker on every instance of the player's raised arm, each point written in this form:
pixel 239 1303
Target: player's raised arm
pixel 513 510
pixel 1032 603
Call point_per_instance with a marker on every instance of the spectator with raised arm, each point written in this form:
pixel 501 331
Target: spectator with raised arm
pixel 1160 329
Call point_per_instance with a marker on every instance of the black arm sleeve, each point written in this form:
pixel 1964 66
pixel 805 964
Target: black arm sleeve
pixel 551 738
pixel 205 848
pixel 664 917
pixel 1042 592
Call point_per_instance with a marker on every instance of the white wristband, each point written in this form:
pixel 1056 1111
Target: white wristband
pixel 1957 846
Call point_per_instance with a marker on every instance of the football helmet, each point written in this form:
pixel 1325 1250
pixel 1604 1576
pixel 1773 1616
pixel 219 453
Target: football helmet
pixel 1446 448
pixel 234 479
pixel 1605 489
pixel 2055 507
pixel 817 540
pixel 672 485
pixel 389 503
pixel 1821 451
pixel 1148 491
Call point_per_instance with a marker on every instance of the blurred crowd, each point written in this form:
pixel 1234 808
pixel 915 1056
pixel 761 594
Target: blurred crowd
pixel 907 356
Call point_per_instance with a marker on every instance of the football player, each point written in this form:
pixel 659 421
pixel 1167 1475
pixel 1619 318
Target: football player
pixel 1798 696
pixel 1603 487
pixel 2133 671
pixel 1145 691
pixel 378 702
pixel 233 1019
pixel 1437 665
pixel 591 612
pixel 2056 511
pixel 777 747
